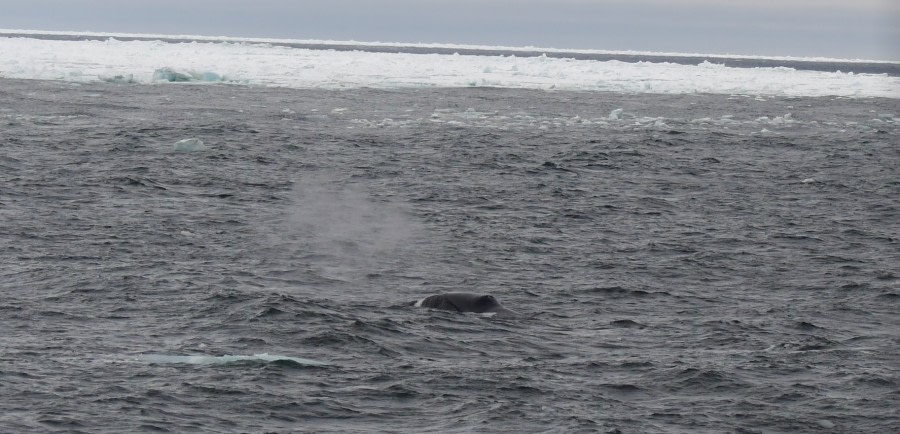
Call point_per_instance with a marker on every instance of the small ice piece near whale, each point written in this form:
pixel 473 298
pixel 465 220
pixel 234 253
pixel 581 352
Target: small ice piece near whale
pixel 615 114
pixel 825 423
pixel 190 145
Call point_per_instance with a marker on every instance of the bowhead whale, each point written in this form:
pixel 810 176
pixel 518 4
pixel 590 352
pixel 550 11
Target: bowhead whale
pixel 465 302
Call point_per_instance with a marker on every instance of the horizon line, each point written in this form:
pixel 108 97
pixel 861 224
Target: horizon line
pixel 531 50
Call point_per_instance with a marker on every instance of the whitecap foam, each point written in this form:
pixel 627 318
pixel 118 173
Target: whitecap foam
pixel 217 360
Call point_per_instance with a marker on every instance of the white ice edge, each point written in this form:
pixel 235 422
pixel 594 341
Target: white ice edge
pixel 527 48
pixel 266 65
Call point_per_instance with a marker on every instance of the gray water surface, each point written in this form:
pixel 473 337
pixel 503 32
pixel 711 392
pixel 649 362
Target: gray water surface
pixel 685 264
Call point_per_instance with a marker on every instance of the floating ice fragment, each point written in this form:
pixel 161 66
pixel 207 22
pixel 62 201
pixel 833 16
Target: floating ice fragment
pixel 169 74
pixel 189 145
pixel 808 181
pixel 615 114
pixel 825 423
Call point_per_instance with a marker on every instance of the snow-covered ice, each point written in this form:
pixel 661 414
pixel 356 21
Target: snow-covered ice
pixel 267 65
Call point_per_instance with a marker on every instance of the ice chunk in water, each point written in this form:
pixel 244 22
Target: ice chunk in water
pixel 169 74
pixel 615 114
pixel 190 145
pixel 825 423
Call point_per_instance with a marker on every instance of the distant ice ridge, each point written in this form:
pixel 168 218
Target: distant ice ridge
pixel 266 65
pixel 354 43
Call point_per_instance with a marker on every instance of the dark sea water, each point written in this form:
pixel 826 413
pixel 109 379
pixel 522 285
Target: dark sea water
pixel 685 264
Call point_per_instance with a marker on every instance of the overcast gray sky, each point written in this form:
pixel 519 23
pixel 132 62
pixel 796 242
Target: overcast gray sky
pixel 833 28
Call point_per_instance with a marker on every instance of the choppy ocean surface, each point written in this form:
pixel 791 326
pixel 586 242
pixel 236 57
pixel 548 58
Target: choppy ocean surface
pixel 681 263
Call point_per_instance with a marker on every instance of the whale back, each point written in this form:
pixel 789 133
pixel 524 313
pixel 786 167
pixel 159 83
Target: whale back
pixel 484 303
pixel 463 302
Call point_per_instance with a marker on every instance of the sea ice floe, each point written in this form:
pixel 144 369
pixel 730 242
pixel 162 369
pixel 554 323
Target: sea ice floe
pixel 270 65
